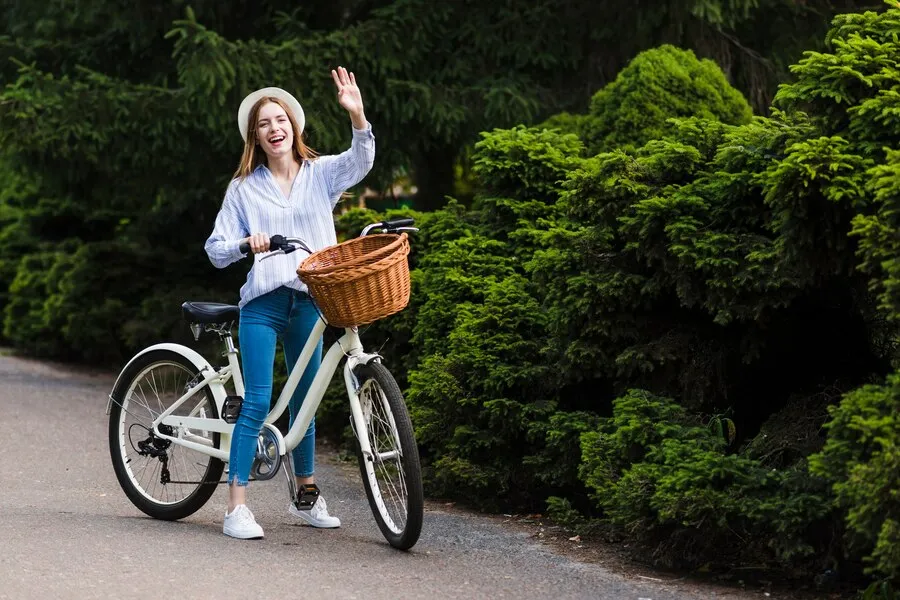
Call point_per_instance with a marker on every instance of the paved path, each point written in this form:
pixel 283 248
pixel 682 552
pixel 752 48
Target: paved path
pixel 68 531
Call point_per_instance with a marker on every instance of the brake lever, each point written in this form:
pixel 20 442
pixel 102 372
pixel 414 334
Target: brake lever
pixel 399 229
pixel 274 253
pixel 288 246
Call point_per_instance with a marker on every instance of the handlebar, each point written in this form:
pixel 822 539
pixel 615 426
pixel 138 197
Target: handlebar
pixel 390 226
pixel 278 244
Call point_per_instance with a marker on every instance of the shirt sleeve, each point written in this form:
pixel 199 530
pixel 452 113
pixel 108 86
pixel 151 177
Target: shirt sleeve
pixel 229 230
pixel 344 170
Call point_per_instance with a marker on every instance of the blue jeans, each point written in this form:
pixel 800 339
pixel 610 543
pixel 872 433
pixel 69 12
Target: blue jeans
pixel 288 315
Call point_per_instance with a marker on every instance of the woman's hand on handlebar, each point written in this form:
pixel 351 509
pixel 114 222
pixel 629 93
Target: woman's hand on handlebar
pixel 258 242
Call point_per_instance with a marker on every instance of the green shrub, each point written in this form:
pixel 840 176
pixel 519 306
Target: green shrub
pixel 879 245
pixel 669 485
pixel 30 321
pixel 565 122
pixel 861 461
pixel 658 85
pixel 474 397
pixel 481 393
pixel 524 163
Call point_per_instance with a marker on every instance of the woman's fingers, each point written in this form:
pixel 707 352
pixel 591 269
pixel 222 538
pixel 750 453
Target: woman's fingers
pixel 342 77
pixel 259 242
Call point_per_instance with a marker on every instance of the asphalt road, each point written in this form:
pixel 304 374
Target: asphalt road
pixel 68 531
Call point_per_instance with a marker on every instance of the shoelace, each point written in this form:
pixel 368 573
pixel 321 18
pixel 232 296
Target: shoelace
pixel 245 517
pixel 323 509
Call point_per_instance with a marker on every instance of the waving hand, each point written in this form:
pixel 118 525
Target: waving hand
pixel 349 95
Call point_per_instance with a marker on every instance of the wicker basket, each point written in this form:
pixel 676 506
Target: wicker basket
pixel 359 281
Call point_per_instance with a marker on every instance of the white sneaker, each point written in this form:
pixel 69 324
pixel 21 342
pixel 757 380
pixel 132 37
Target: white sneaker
pixel 241 524
pixel 317 516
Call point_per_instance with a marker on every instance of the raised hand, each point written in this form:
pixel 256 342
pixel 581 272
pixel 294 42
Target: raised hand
pixel 349 96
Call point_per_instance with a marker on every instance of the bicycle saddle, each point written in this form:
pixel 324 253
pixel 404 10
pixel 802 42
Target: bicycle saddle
pixel 209 312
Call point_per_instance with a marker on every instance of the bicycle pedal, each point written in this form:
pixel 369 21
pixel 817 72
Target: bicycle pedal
pixel 231 409
pixel 307 495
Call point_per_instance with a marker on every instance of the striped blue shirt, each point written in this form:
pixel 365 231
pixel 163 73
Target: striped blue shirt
pixel 257 205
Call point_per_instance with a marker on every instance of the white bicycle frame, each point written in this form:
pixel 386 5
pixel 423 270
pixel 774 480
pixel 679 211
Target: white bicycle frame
pixel 349 345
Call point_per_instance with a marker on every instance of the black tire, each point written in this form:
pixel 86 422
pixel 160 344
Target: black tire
pixel 141 390
pixel 401 522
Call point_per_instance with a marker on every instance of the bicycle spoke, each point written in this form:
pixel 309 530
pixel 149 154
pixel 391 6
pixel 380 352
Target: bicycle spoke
pixel 389 473
pixel 155 391
pixel 390 470
pixel 143 404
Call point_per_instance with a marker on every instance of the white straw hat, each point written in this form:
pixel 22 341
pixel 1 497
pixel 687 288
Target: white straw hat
pixel 251 99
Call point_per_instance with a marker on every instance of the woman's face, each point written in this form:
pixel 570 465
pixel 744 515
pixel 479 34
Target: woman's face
pixel 273 130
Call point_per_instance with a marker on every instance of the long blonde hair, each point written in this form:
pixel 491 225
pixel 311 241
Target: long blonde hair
pixel 253 155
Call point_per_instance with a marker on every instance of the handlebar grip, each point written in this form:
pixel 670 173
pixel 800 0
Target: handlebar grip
pixel 276 242
pixel 399 223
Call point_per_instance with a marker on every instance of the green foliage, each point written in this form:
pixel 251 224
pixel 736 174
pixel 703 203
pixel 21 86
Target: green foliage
pixel 472 400
pixel 481 393
pixel 522 163
pixel 852 87
pixel 658 85
pixel 861 460
pixel 49 316
pixel 880 590
pixel 562 512
pixel 565 122
pixel 558 437
pixel 879 246
pixel 30 323
pixel 713 226
pixel 665 480
pixel 700 266
pixel 853 92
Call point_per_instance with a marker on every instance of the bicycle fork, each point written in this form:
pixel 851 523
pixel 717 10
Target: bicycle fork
pixel 357 418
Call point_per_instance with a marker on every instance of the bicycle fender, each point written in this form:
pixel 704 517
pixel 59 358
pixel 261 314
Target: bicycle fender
pixel 202 365
pixel 354 360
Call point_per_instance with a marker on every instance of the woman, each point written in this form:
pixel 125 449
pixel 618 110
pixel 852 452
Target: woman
pixel 281 187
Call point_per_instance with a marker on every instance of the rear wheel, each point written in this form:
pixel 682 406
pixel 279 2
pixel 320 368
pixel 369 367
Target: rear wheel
pixel 163 479
pixel 391 475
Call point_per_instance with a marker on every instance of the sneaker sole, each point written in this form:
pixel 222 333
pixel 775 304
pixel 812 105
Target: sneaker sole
pixel 239 536
pixel 304 514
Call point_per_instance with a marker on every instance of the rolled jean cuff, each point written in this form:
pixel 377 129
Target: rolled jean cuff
pixel 233 479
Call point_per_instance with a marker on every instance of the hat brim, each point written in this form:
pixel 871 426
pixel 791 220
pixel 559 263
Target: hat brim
pixel 251 99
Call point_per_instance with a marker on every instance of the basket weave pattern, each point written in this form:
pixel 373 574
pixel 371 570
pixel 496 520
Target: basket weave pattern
pixel 359 281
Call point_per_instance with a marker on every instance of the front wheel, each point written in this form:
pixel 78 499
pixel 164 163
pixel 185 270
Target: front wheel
pixel 165 480
pixel 391 474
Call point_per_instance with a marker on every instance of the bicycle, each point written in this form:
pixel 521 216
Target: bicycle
pixel 171 419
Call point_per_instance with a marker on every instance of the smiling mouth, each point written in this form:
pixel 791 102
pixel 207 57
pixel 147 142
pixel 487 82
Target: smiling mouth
pixel 277 139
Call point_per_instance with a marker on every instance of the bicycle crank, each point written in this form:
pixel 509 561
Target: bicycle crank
pixel 268 457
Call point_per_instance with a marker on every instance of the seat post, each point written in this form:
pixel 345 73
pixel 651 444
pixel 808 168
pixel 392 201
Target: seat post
pixel 232 353
pixel 229 342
